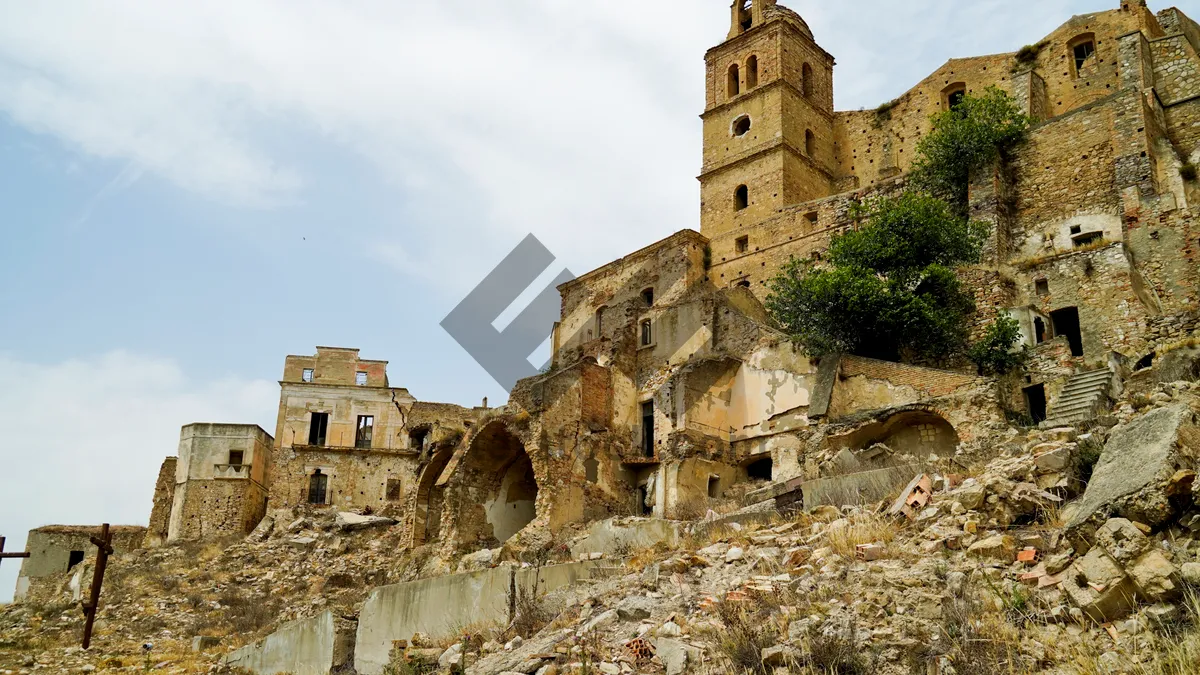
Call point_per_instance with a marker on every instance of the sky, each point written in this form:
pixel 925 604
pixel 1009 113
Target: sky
pixel 191 191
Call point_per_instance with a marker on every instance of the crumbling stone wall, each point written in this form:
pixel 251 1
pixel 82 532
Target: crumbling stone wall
pixel 53 548
pixel 220 480
pixel 164 499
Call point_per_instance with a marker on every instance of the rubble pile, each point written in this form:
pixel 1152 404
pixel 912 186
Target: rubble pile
pixel 1074 550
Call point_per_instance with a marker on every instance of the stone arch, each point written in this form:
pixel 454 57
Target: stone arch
pixel 427 507
pixel 918 431
pixel 496 485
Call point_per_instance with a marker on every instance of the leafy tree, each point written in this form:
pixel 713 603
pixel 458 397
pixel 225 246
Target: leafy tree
pixel 889 288
pixel 968 137
pixel 994 354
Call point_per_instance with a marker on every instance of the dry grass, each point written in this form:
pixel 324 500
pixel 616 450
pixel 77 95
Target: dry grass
pixel 864 529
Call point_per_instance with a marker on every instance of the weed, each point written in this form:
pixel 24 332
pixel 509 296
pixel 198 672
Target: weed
pixel 748 630
pixel 864 529
pixel 1090 450
pixel 1188 172
pixel 530 611
pixel 834 654
pixel 979 642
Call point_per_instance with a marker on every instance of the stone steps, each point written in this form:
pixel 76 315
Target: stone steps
pixel 1080 398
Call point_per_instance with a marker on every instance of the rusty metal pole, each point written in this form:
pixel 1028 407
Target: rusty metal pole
pixel 4 555
pixel 104 549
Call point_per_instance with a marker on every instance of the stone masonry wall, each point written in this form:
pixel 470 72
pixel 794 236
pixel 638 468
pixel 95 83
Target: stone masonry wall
pixel 164 498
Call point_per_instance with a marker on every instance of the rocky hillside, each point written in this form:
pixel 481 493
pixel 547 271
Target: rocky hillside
pixel 1071 551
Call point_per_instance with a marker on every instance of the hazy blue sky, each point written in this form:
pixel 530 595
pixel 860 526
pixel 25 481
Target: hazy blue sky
pixel 191 191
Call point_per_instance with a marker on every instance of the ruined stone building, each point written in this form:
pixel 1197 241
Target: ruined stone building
pixel 670 393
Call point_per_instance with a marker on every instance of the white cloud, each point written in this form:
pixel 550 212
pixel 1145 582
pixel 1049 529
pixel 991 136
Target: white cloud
pixel 83 439
pixel 574 120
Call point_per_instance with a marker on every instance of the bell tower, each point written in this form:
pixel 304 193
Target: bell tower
pixel 768 119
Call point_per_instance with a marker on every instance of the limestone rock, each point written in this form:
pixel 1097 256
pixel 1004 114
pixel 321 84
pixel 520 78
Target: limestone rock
pixel 350 522
pixel 1155 576
pixel 1191 573
pixel 1130 478
pixel 635 608
pixel 673 654
pixel 1122 540
pixel 998 547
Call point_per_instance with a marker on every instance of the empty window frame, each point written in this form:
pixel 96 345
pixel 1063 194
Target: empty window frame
pixel 1082 48
pixel 1041 286
pixel 360 378
pixel 648 428
pixel 648 296
pixel 307 375
pixel 806 81
pixel 647 333
pixel 237 457
pixel 752 72
pixel 365 431
pixel 74 558
pixel 810 143
pixel 417 437
pixel 733 82
pixel 742 244
pixel 318 487
pixel 394 490
pixel 741 198
pixel 954 94
pixel 746 16
pixel 318 428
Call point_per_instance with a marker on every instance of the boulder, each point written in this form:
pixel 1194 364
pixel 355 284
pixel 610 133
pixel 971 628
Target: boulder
pixel 998 547
pixel 349 522
pixel 1131 479
pixel 673 654
pixel 1122 540
pixel 635 608
pixel 1191 573
pixel 1099 587
pixel 1156 578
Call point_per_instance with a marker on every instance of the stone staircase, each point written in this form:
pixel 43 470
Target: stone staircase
pixel 1080 399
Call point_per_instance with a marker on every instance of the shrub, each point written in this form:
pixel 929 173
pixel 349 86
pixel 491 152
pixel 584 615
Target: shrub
pixel 748 631
pixel 1090 450
pixel 835 655
pixel 971 136
pixel 994 354
pixel 888 289
pixel 1188 172
pixel 1027 55
pixel 531 613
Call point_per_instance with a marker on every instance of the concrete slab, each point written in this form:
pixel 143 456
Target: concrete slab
pixel 312 646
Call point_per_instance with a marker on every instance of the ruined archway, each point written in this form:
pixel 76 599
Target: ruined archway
pixel 916 433
pixel 498 487
pixel 427 510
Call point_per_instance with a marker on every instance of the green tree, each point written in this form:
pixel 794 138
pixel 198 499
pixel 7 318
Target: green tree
pixel 968 137
pixel 994 354
pixel 888 289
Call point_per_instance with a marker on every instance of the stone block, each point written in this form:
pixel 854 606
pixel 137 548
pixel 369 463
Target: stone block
pixel 1132 475
pixel 1155 576
pixel 999 547
pixel 1099 587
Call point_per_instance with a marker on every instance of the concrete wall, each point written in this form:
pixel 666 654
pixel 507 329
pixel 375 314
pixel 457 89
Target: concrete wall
pixel 442 606
pixel 312 646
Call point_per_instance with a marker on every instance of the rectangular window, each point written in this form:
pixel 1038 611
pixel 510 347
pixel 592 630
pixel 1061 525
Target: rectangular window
pixel 1083 52
pixel 318 487
pixel 318 426
pixel 647 334
pixel 366 429
pixel 648 428
pixel 360 378
pixel 236 457
pixel 743 244
pixel 393 489
pixel 1042 286
pixel 73 559
pixel 307 376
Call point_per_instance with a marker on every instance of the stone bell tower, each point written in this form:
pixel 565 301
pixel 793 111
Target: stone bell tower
pixel 768 118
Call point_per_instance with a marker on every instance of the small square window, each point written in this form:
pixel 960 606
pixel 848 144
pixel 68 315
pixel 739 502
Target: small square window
pixel 360 378
pixel 307 376
pixel 1042 286
pixel 236 457
pixel 394 489
pixel 743 244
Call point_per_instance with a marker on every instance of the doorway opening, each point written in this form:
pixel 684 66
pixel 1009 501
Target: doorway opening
pixel 1066 322
pixel 1035 402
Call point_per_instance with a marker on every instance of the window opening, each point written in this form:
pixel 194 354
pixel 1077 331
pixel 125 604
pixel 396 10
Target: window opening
pixel 307 375
pixel 741 197
pixel 318 487
pixel 236 457
pixel 648 296
pixel 744 283
pixel 806 81
pixel 714 487
pixel 1042 287
pixel 745 16
pixel 1039 329
pixel 1083 51
pixel 73 559
pixel 647 334
pixel 733 85
pixel 318 425
pixel 955 98
pixel 1086 238
pixel 600 321
pixel 365 431
pixel 811 217
pixel 1035 402
pixel 760 469
pixel 810 143
pixel 393 489
pixel 741 126
pixel 416 438
pixel 752 72
pixel 360 378
pixel 1066 322
pixel 643 496
pixel 648 428
pixel 743 244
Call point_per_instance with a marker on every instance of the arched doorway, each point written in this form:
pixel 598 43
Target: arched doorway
pixel 427 512
pixel 498 479
pixel 913 433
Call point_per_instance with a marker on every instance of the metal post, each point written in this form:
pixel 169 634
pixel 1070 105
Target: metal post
pixel 104 549
pixel 4 555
